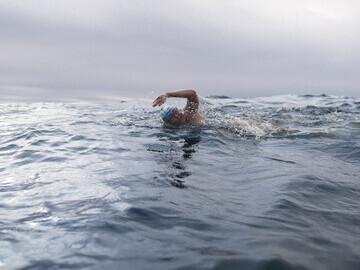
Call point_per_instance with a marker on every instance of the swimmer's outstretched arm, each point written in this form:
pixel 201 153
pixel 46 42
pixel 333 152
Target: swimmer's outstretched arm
pixel 193 99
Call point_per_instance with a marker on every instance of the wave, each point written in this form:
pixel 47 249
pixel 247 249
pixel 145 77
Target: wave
pixel 218 97
pixel 252 127
pixel 304 116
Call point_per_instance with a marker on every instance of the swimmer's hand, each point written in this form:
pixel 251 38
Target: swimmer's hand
pixel 160 100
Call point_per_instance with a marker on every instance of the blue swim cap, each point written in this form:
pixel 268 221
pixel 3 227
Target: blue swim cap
pixel 165 112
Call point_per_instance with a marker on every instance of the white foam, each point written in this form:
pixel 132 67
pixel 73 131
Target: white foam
pixel 249 126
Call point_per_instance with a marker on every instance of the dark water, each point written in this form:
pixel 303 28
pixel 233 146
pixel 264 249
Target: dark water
pixel 268 183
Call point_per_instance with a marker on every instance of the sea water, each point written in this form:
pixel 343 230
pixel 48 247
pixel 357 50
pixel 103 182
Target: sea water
pixel 266 183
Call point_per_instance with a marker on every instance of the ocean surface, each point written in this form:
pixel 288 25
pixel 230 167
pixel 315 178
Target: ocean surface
pixel 266 183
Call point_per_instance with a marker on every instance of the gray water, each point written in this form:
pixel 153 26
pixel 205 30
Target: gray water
pixel 267 183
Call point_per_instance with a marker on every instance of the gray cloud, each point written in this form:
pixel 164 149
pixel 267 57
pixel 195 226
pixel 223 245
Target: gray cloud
pixel 87 49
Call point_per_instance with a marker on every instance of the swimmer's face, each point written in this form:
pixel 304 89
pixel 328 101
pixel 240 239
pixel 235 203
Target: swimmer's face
pixel 177 117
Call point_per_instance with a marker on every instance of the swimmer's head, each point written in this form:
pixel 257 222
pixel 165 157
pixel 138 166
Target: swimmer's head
pixel 167 113
pixel 172 115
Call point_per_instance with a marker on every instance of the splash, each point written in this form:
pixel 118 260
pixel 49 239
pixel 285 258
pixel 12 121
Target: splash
pixel 252 127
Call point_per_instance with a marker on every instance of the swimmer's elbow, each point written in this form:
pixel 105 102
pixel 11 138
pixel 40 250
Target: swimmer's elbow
pixel 189 93
pixel 193 97
pixel 193 92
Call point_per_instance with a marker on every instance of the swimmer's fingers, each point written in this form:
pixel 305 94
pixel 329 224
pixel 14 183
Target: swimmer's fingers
pixel 156 102
pixel 160 100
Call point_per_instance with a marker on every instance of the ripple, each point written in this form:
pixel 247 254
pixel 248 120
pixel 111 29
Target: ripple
pixel 54 159
pixel 82 123
pixel 25 186
pixel 10 147
pixel 218 97
pixel 28 154
pixel 39 142
pixel 281 160
pixel 276 263
pixel 154 219
pixel 78 138
pixel 26 134
pixel 53 264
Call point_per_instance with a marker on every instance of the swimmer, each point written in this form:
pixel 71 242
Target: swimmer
pixel 173 116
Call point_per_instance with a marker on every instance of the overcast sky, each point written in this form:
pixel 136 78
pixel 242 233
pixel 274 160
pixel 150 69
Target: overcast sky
pixel 52 49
